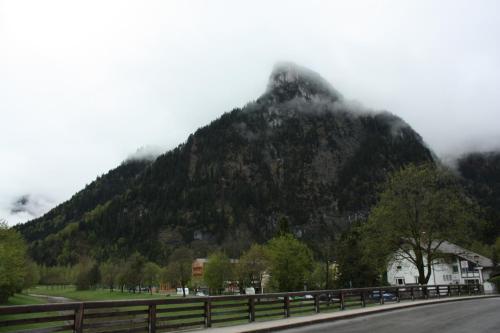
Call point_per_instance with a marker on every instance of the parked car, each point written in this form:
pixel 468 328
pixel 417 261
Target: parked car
pixel 386 295
pixel 305 297
pixel 328 298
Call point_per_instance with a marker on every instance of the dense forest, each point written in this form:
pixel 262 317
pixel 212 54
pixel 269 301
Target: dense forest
pixel 480 173
pixel 299 155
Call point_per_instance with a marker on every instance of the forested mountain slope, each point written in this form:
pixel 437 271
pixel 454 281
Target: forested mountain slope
pixel 299 155
pixel 481 178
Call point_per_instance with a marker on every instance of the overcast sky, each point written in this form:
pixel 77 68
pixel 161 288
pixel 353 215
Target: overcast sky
pixel 83 84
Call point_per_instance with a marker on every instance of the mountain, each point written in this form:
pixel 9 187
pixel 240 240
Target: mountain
pixel 299 156
pixel 480 173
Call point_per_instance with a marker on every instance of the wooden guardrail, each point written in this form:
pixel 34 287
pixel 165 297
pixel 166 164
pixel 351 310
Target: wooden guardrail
pixel 160 315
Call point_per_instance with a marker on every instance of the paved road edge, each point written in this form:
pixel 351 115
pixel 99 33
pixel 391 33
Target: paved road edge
pixel 310 320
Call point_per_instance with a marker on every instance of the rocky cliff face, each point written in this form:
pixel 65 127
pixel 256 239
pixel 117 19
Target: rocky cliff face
pixel 299 154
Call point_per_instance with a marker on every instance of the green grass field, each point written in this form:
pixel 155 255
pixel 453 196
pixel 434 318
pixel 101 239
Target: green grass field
pixel 23 299
pixel 237 310
pixel 90 295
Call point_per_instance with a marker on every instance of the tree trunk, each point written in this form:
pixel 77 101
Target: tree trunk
pixel 327 278
pixel 429 268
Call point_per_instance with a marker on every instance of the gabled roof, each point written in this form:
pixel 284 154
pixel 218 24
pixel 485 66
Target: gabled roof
pixel 450 248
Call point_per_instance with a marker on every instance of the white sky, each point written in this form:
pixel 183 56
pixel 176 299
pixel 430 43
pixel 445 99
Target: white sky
pixel 83 84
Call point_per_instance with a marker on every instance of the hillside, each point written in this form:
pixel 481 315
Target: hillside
pixel 481 178
pixel 298 153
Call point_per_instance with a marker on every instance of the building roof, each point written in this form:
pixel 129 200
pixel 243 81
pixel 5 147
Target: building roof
pixel 450 248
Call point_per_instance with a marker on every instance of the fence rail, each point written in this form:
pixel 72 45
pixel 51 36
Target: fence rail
pixel 161 315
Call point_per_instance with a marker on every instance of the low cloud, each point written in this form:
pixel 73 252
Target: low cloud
pixel 146 153
pixel 25 207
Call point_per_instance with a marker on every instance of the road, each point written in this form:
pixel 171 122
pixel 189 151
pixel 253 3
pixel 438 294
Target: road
pixel 465 316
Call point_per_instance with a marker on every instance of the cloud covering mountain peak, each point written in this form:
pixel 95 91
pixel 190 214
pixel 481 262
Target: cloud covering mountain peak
pixel 289 80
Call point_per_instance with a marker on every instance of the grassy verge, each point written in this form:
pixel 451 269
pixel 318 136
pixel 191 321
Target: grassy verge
pixel 23 299
pixel 90 295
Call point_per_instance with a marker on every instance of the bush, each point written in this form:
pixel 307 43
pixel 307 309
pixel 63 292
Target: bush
pixel 496 281
pixel 12 262
pixel 87 274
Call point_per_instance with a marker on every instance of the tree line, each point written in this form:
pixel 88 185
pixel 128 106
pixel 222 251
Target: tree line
pixel 419 207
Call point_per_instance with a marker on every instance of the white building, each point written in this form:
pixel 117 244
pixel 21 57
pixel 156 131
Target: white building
pixel 457 266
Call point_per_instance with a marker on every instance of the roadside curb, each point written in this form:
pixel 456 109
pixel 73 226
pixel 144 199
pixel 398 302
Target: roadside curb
pixel 310 320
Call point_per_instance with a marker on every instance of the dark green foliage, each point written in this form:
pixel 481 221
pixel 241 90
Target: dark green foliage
pixel 32 277
pixel 88 275
pixel 56 275
pixel 250 269
pixel 217 272
pixel 109 274
pixel 290 263
pixel 12 262
pixel 481 178
pixel 496 281
pixel 151 275
pixel 421 207
pixel 133 271
pixel 356 270
pixel 179 269
pixel 103 189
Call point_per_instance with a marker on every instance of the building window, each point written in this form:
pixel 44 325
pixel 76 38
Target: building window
pixel 455 269
pixel 400 281
pixel 447 277
pixel 398 268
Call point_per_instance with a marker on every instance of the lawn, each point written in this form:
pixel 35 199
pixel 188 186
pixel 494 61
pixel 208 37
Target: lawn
pixel 68 292
pixel 90 295
pixel 23 299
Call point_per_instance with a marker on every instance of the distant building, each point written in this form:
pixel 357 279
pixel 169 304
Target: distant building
pixel 457 266
pixel 198 267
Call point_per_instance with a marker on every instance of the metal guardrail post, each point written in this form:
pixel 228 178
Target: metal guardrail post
pixel 381 293
pixel 78 321
pixel 152 318
pixel 342 301
pixel 363 300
